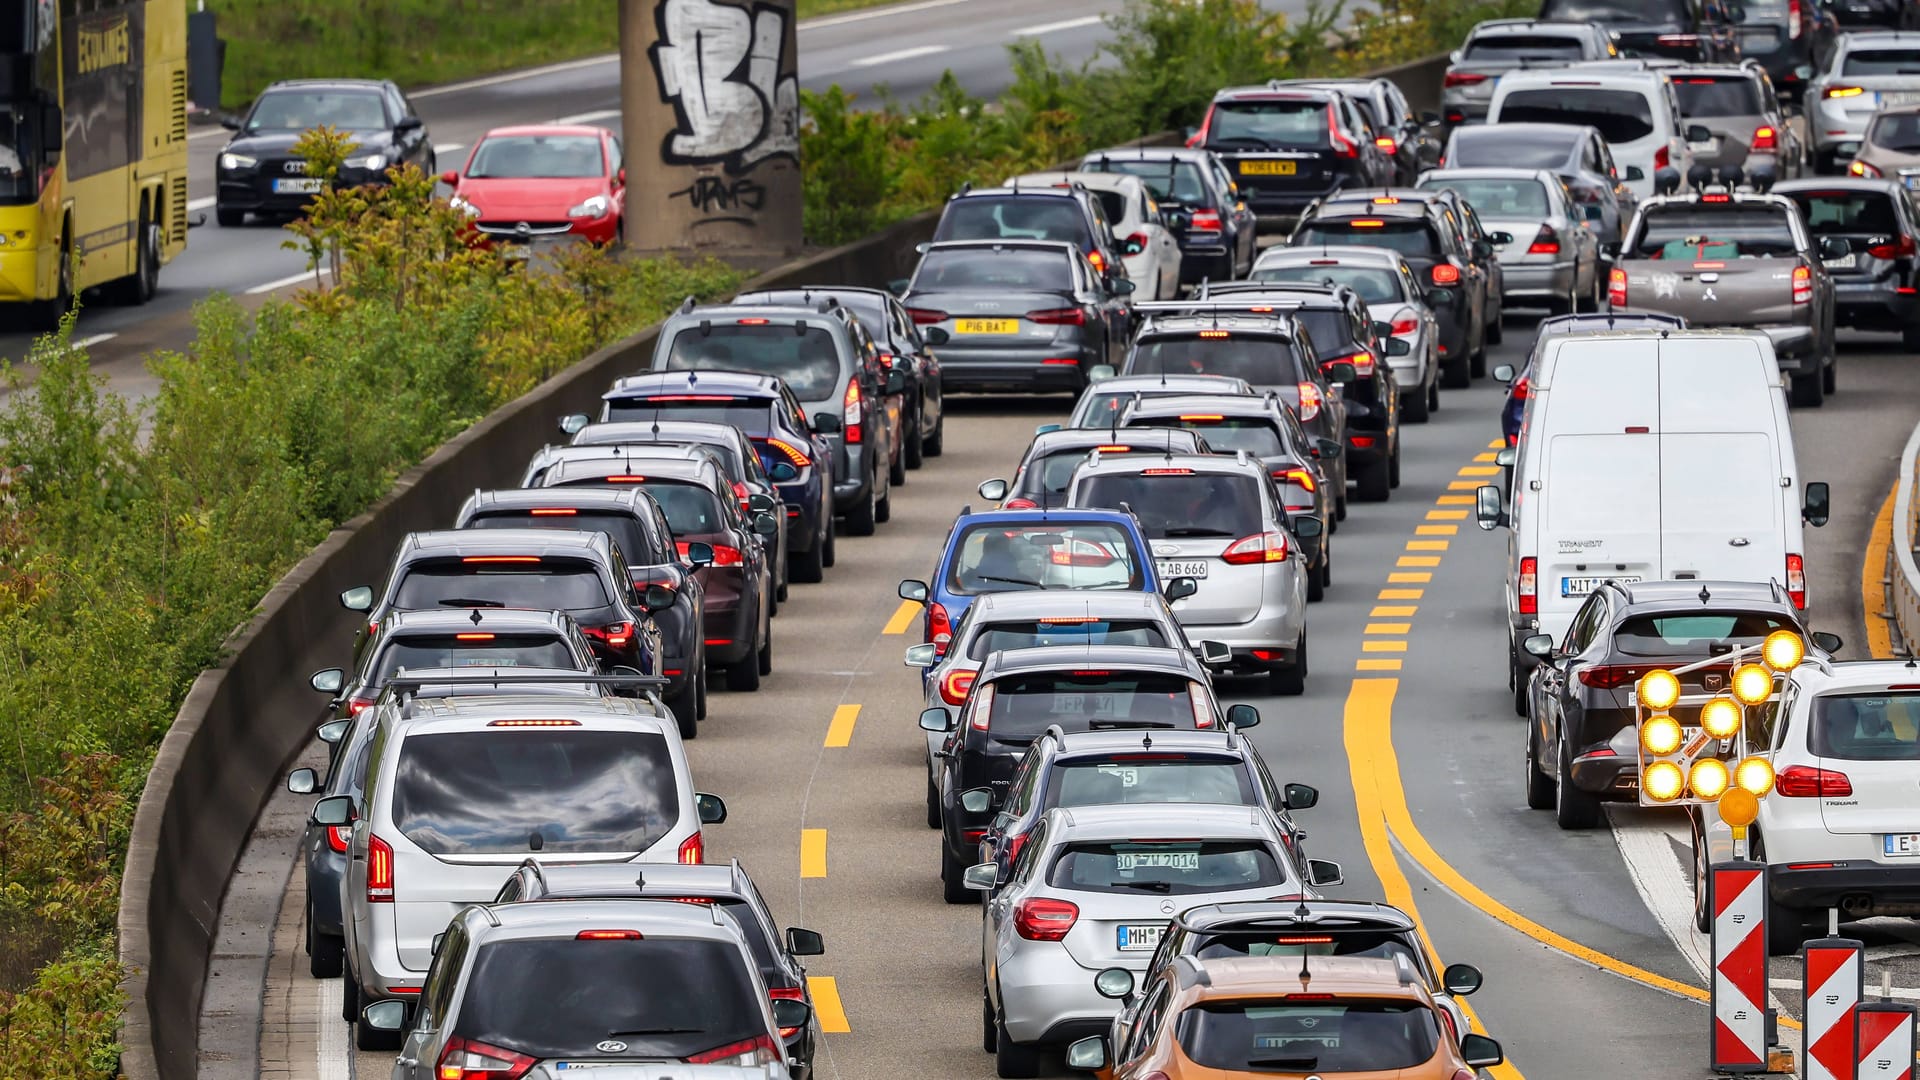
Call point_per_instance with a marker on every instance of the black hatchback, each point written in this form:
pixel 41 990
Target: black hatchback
pixel 1287 146
pixel 258 171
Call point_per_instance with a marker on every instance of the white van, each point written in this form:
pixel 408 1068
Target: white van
pixel 1644 456
pixel 1634 109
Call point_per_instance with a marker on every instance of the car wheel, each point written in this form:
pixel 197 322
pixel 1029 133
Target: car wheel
pixel 1808 391
pixel 883 510
pixel 1477 362
pixel 1539 785
pixel 1456 373
pixel 915 450
pixel 1012 1061
pixel 1326 568
pixel 349 996
pixel 1702 889
pixel 685 707
pixel 786 575
pixel 1340 505
pixel 1572 808
pixel 827 553
pixel 897 468
pixel 933 803
pixel 1496 332
pixel 952 887
pixel 1291 681
pixel 1375 482
pixel 764 658
pixel 700 681
pixel 936 444
pixel 1316 584
pixel 326 953
pixel 1418 408
pixel 1517 680
pixel 744 677
pixel 989 1024
pixel 860 519
pixel 1830 376
pixel 229 219
pixel 807 566
pixel 1393 464
pixel 1433 396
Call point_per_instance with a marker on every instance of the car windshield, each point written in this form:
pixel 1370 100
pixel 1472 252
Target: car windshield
pixel 1523 47
pixel 1014 217
pixel 1489 147
pixel 623 528
pixel 1064 630
pixel 502 581
pixel 1882 62
pixel 1498 198
pixel 555 791
pixel 1009 556
pixel 1177 503
pixel 986 268
pixel 476 649
pixel 1848 213
pixel 1680 636
pixel 749 414
pixel 1340 1036
pixel 1408 236
pixel 664 997
pixel 1024 706
pixel 303 110
pixel 1170 181
pixel 1165 867
pixel 1899 132
pixel 1621 116
pixel 1314 941
pixel 1684 232
pixel 1709 97
pixel 1098 409
pixel 1261 359
pixel 1257 435
pixel 1376 285
pixel 1880 725
pixel 529 157
pixel 1300 124
pixel 1152 778
pixel 806 356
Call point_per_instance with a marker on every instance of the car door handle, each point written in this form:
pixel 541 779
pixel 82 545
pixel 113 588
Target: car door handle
pixel 406 1062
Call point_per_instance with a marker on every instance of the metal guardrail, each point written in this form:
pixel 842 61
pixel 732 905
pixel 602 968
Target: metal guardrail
pixel 1903 576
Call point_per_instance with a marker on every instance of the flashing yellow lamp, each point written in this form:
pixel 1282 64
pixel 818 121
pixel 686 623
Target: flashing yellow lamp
pixel 1783 650
pixel 1754 775
pixel 1720 717
pixel 1752 684
pixel 1660 735
pixel 1663 781
pixel 1709 778
pixel 1659 689
pixel 1738 808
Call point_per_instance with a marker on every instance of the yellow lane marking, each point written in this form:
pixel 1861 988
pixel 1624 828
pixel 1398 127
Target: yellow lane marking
pixel 1402 594
pixel 1377 664
pixel 1873 598
pixel 1410 577
pixel 840 732
pixel 903 617
pixel 1457 500
pixel 1426 545
pixel 1388 628
pixel 1463 485
pixel 813 853
pixel 826 1004
pixel 1497 444
pixel 1436 530
pixel 1479 470
pixel 1446 515
pixel 1393 611
pixel 1366 696
pixel 1418 560
pixel 1383 646
pixel 1488 458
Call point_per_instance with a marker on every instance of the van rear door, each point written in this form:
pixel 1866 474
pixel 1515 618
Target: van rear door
pixel 1720 462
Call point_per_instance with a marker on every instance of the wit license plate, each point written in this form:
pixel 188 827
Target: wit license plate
pixel 1906 97
pixel 1844 262
pixel 1581 586
pixel 1173 568
pixel 1268 168
pixel 987 326
pixel 1139 938
pixel 306 185
pixel 1901 845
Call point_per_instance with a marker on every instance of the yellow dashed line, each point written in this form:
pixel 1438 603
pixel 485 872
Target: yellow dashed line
pixel 1446 515
pixel 1479 470
pixel 840 732
pixel 1410 577
pixel 1383 646
pixel 1488 458
pixel 1436 530
pixel 903 617
pixel 1376 664
pixel 1457 500
pixel 1393 611
pixel 1426 545
pixel 1402 594
pixel 826 1004
pixel 1497 444
pixel 1462 485
pixel 813 853
pixel 1418 560
pixel 1388 628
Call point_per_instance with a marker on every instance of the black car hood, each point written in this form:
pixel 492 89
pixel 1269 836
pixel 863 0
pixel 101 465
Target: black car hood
pixel 281 142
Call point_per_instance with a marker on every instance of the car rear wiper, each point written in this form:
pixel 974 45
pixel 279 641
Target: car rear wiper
pixel 1146 886
pixel 469 601
pixel 655 1031
pixel 1107 725
pixel 1010 580
pixel 1222 140
pixel 1196 530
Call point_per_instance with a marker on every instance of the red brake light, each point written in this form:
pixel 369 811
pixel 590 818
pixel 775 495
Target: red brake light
pixel 1793 18
pixel 1802 285
pixel 1258 548
pixel 473 637
pixel 1405 325
pixel 1342 146
pixel 1385 142
pixel 1205 220
pixel 533 723
pixel 608 935
pixel 1043 919
pixel 751 322
pixel 1617 287
pixel 1765 138
pixel 1072 316
pixel 1309 997
pixel 850 415
pixel 1444 273
pixel 693 849
pixel 1020 502
pixel 1608 676
pixel 1899 249
pixel 1661 158
pixel 723 554
pixel 1367 223
pixel 1463 78
pixel 793 453
pixel 1362 365
pixel 926 316
pixel 1862 168
pixel 1797 580
pixel 1547 243
pixel 1309 401
pixel 1215 335
pixel 1166 472
pixel 787 993
pixel 501 559
pixel 953 688
pixel 741 493
pixel 556 511
pixel 356 706
pixel 1716 197
pixel 1520 391
pixel 616 635
pixel 1808 782
pixel 1528 586
pixel 1303 477
pixel 1014 844
pixel 758 1050
pixel 379 871
pixel 337 837
pixel 939 628
pixel 465 1059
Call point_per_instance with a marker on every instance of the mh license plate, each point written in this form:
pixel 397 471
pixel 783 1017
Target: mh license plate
pixel 1139 938
pixel 987 326
pixel 1268 168
pixel 306 185
pixel 1844 262
pixel 1581 586
pixel 1901 845
pixel 1173 568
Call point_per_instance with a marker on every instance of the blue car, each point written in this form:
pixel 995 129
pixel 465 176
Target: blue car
pixel 795 451
pixel 1560 326
pixel 1008 550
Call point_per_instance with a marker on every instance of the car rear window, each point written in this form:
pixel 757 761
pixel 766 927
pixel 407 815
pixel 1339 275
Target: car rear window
pixel 543 584
pixel 1682 232
pixel 1489 147
pixel 1709 97
pixel 1031 271
pixel 1341 1036
pixel 1614 11
pixel 1408 236
pixel 1831 213
pixel 1375 285
pixel 477 649
pixel 1497 198
pixel 1261 359
pixel 1152 778
pixel 1168 180
pixel 1065 630
pixel 1895 131
pixel 1882 62
pixel 624 529
pixel 518 791
pixel 1881 725
pixel 1523 47
pixel 1301 124
pixel 1257 435
pixel 1113 204
pixel 1621 116
pixel 1703 635
pixel 807 357
pixel 1005 557
pixel 1330 331
pixel 560 997
pixel 1314 940
pixel 1024 706
pixel 1175 503
pixel 1014 217
pixel 1165 867
pixel 747 413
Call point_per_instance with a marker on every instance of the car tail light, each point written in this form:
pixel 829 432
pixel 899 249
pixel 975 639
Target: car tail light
pixel 939 628
pixel 1206 124
pixel 338 835
pixel 1528 586
pixel 1899 249
pixel 1547 243
pixel 1794 24
pixel 926 316
pixel 1342 146
pixel 1362 364
pixel 1765 138
pixel 1205 219
pixel 1843 91
pixel 1098 260
pixel 1042 918
pixel 1809 782
pixel 379 871
pixel 1608 676
pixel 611 935
pixel 1661 158
pixel 1259 548
pixel 1405 325
pixel 792 453
pixel 850 412
pixel 1202 706
pixel 741 493
pixel 464 1059
pixel 1141 239
pixel 787 993
pixel 1453 1035
pixel 1463 78
pixel 1385 142
pixel 1014 844
pixel 1802 285
pixel 616 635
pixel 358 705
pixel 1446 274
pixel 1520 391
pixel 1303 477
pixel 723 554
pixel 758 1050
pixel 1071 316
pixel 953 688
pixel 1617 287
pixel 1797 580
pixel 1020 502
pixel 693 849
pixel 1309 401
pixel 1862 168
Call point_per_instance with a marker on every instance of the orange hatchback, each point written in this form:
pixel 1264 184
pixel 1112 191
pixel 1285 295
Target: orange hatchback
pixel 1358 1018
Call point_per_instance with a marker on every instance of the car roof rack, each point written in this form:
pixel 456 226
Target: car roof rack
pixel 407 687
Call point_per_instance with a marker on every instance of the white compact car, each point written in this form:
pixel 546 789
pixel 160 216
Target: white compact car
pixel 1147 246
pixel 1867 72
pixel 1632 106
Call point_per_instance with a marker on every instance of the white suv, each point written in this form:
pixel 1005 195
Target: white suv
pixel 1633 109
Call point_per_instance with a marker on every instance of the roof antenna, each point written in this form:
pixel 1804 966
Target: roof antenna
pixel 1704 594
pixel 639 879
pixel 1146 738
pixel 1305 975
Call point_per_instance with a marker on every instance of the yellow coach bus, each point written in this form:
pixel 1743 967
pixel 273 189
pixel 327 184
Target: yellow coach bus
pixel 93 149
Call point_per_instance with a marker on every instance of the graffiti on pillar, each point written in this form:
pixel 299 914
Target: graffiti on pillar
pixel 720 199
pixel 719 67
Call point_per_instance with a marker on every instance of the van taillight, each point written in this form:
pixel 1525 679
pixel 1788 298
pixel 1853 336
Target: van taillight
pixel 1617 287
pixel 693 849
pixel 1797 580
pixel 379 871
pixel 1528 587
pixel 1802 285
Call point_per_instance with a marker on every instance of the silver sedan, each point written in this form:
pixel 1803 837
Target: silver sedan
pixel 1554 259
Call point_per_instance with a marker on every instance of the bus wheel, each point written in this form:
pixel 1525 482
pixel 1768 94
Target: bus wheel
pixel 139 286
pixel 47 313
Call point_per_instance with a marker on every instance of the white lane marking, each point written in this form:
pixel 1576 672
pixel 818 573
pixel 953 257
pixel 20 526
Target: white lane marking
pixel 291 279
pixel 206 134
pixel 330 1038
pixel 889 11
pixel 1048 28
pixel 515 76
pixel 899 54
pixel 88 342
pixel 588 117
pixel 201 204
pixel 448 147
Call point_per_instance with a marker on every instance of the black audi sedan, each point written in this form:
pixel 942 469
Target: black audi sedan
pixel 258 171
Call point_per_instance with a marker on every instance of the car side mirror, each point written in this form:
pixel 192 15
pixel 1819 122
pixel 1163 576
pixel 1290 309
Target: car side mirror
pixel 992 490
pixel 896 382
pixel 1439 298
pixel 358 598
pixel 923 655
pixel 699 554
pixel 936 335
pixel 982 877
pixel 1120 286
pixel 1817 508
pixel 1834 247
pixel 1114 983
pixel 712 808
pixel 1045 428
pixel 804 942
pixel 1461 979
pixel 1505 457
pixel 760 503
pixel 1300 796
pixel 328 680
pixel 1342 372
pixel 303 781
pixel 1306 528
pixel 915 591
pixel 1180 588
pixel 1399 347
pixel 1481 1052
pixel 790 1013
pixel 1382 329
pixel 936 719
pixel 230 121
pixel 1243 716
pixel 1324 873
pixel 1635 172
pixel 388 1015
pixel 1504 373
pixel 1538 645
pixel 409 123
pixel 1100 373
pixel 1088 1054
pixel 783 472
pixel 1500 238
pixel 438 940
pixel 898 286
pixel 1483 249
pixel 1698 133
pixel 765 524
pixel 827 424
pixel 1827 643
pixel 656 597
pixel 451 176
pixel 976 800
pixel 1215 653
pixel 573 423
pixel 1488 508
pixel 333 731
pixel 332 810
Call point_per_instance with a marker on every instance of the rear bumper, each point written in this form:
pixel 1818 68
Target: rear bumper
pixel 1874 305
pixel 1795 346
pixel 1867 887
pixel 325 868
pixel 858 482
pixel 1046 369
pixel 1607 775
pixel 1048 999
pixel 1539 281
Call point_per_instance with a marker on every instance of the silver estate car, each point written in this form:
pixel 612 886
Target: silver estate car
pixel 1868 72
pixel 1554 259
pixel 1103 402
pixel 1094 888
pixel 1221 521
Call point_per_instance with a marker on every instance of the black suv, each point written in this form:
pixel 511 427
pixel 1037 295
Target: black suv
pixel 258 172
pixel 1289 145
pixel 1696 31
pixel 1874 283
pixel 1072 214
pixel 1019 696
pixel 1581 746
pixel 1406 136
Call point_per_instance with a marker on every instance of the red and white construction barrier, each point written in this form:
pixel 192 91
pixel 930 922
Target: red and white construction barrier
pixel 1739 990
pixel 1886 1041
pixel 1830 987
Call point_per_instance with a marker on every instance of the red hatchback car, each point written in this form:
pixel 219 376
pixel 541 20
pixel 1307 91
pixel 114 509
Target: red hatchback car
pixel 542 182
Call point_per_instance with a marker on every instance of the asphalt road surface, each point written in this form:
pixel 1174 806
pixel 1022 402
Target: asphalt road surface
pixel 1406 729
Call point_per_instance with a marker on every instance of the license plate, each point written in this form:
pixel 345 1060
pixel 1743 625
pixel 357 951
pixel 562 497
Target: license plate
pixel 1139 938
pixel 1913 183
pixel 516 251
pixel 986 326
pixel 1268 168
pixel 1173 568
pixel 1581 586
pixel 1901 845
pixel 307 185
pixel 1905 97
pixel 562 1065
pixel 1085 705
pixel 1844 262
